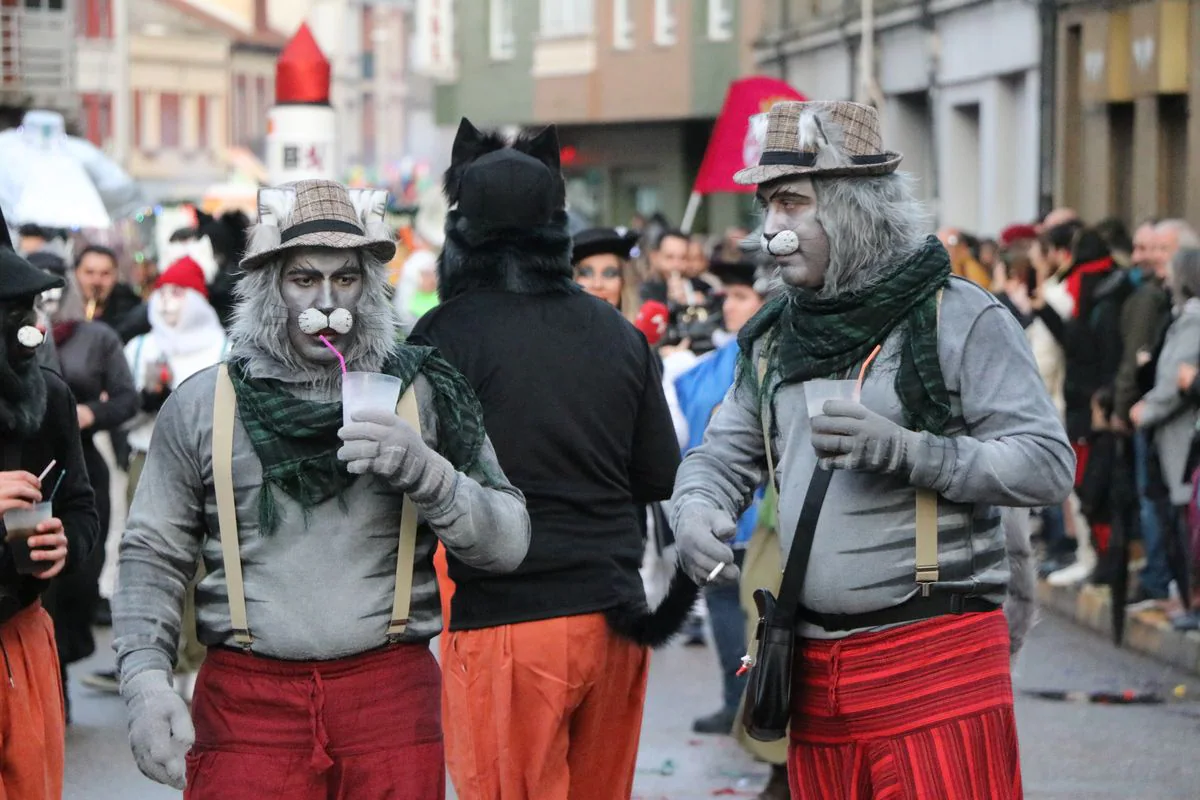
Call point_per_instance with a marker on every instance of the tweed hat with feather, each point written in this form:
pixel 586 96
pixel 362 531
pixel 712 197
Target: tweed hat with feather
pixel 820 138
pixel 319 213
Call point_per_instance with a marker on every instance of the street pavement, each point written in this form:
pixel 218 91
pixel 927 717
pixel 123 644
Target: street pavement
pixel 1070 751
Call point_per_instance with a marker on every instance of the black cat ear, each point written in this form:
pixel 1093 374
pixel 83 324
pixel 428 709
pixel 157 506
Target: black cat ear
pixel 466 142
pixel 544 147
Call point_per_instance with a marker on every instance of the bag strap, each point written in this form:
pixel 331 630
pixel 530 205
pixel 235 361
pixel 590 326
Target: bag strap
pixel 788 605
pixel 927 520
pixel 224 409
pixel 408 411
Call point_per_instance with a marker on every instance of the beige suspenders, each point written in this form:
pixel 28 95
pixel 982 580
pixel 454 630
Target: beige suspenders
pixel 224 410
pixel 927 499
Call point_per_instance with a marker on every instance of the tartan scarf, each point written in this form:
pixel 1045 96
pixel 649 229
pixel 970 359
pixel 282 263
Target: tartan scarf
pixel 296 440
pixel 819 337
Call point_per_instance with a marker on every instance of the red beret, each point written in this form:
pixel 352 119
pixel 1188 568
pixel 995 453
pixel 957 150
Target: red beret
pixel 1014 233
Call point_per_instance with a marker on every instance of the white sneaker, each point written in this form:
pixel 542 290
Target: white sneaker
pixel 1075 574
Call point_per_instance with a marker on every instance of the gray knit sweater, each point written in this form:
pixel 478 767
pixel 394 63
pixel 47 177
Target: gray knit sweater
pixel 1005 446
pixel 316 588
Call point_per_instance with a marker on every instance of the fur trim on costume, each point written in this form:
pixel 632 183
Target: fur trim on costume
pixel 655 628
pixel 530 261
pixel 1020 605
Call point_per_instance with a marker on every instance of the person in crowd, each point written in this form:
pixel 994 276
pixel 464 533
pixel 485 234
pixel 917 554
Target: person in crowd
pixel 1017 239
pixel 1091 340
pixel 327 593
pixel 1144 321
pixel 1116 236
pixel 587 440
pixel 417 293
pixel 848 235
pixel 227 237
pixel 47 304
pixel 93 364
pixel 32 239
pixel 698 262
pixel 668 262
pixel 1168 416
pixel 38 428
pixel 104 298
pixel 700 391
pixel 989 255
pixel 1107 485
pixel 603 262
pixel 962 259
pixel 185 337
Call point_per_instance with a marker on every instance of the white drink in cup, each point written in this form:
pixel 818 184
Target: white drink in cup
pixel 368 391
pixel 816 393
pixel 20 524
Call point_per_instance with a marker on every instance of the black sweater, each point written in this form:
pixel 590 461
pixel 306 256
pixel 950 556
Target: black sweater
pixel 74 504
pixel 573 402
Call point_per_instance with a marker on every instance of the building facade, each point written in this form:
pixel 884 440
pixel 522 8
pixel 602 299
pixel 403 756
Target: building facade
pixel 633 86
pixel 1126 82
pixel 37 60
pixel 957 84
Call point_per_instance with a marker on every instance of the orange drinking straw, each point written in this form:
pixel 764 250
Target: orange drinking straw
pixel 862 373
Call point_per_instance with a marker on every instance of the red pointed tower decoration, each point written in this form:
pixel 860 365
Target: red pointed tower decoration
pixel 302 129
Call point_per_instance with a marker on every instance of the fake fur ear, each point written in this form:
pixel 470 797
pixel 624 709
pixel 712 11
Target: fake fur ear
pixel 275 206
pixel 370 205
pixel 469 144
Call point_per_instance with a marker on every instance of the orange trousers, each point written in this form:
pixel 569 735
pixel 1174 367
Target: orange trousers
pixel 545 710
pixel 32 717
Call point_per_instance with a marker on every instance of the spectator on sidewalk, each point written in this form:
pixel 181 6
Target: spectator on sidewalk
pixel 1166 413
pixel 1144 319
pixel 962 258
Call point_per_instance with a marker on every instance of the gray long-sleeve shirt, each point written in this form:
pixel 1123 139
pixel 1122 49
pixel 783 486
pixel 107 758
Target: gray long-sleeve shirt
pixel 1004 446
pixel 1169 414
pixel 316 589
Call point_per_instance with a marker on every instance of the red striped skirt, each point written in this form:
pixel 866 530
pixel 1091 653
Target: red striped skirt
pixel 920 711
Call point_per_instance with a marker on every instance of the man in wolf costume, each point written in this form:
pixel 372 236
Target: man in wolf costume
pixel 546 667
pixel 319 596
pixel 902 682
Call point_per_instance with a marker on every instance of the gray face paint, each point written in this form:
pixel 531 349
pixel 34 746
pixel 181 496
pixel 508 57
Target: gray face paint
pixel 792 234
pixel 326 281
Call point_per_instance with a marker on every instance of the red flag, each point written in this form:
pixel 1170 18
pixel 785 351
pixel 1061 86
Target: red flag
pixel 732 147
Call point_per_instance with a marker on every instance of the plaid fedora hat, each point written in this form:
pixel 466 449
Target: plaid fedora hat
pixel 319 213
pixel 798 131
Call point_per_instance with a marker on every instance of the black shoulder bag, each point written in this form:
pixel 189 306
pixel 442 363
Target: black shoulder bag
pixel 768 705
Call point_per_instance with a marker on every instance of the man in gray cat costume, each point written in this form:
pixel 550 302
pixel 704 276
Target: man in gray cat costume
pixel 320 596
pixel 902 680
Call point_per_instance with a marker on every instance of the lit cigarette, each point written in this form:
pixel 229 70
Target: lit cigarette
pixel 46 471
pixel 712 576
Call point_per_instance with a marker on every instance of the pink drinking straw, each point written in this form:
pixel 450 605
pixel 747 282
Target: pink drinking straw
pixel 341 358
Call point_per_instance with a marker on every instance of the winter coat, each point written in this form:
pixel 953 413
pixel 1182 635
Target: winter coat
pixel 1167 412
pixel 1147 311
pixel 74 502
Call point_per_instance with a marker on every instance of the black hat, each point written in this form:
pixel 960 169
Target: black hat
pixel 19 278
pixel 741 273
pixel 594 241
pixel 508 189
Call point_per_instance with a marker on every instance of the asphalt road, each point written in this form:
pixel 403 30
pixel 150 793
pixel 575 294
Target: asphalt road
pixel 1070 751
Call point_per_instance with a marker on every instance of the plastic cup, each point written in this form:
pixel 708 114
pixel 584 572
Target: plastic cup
pixel 817 392
pixel 21 523
pixel 368 391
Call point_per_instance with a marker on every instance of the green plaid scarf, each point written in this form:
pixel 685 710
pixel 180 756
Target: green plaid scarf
pixel 819 337
pixel 296 440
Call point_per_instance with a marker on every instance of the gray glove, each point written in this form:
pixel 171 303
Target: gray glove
pixel 701 532
pixel 382 443
pixel 851 436
pixel 160 728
